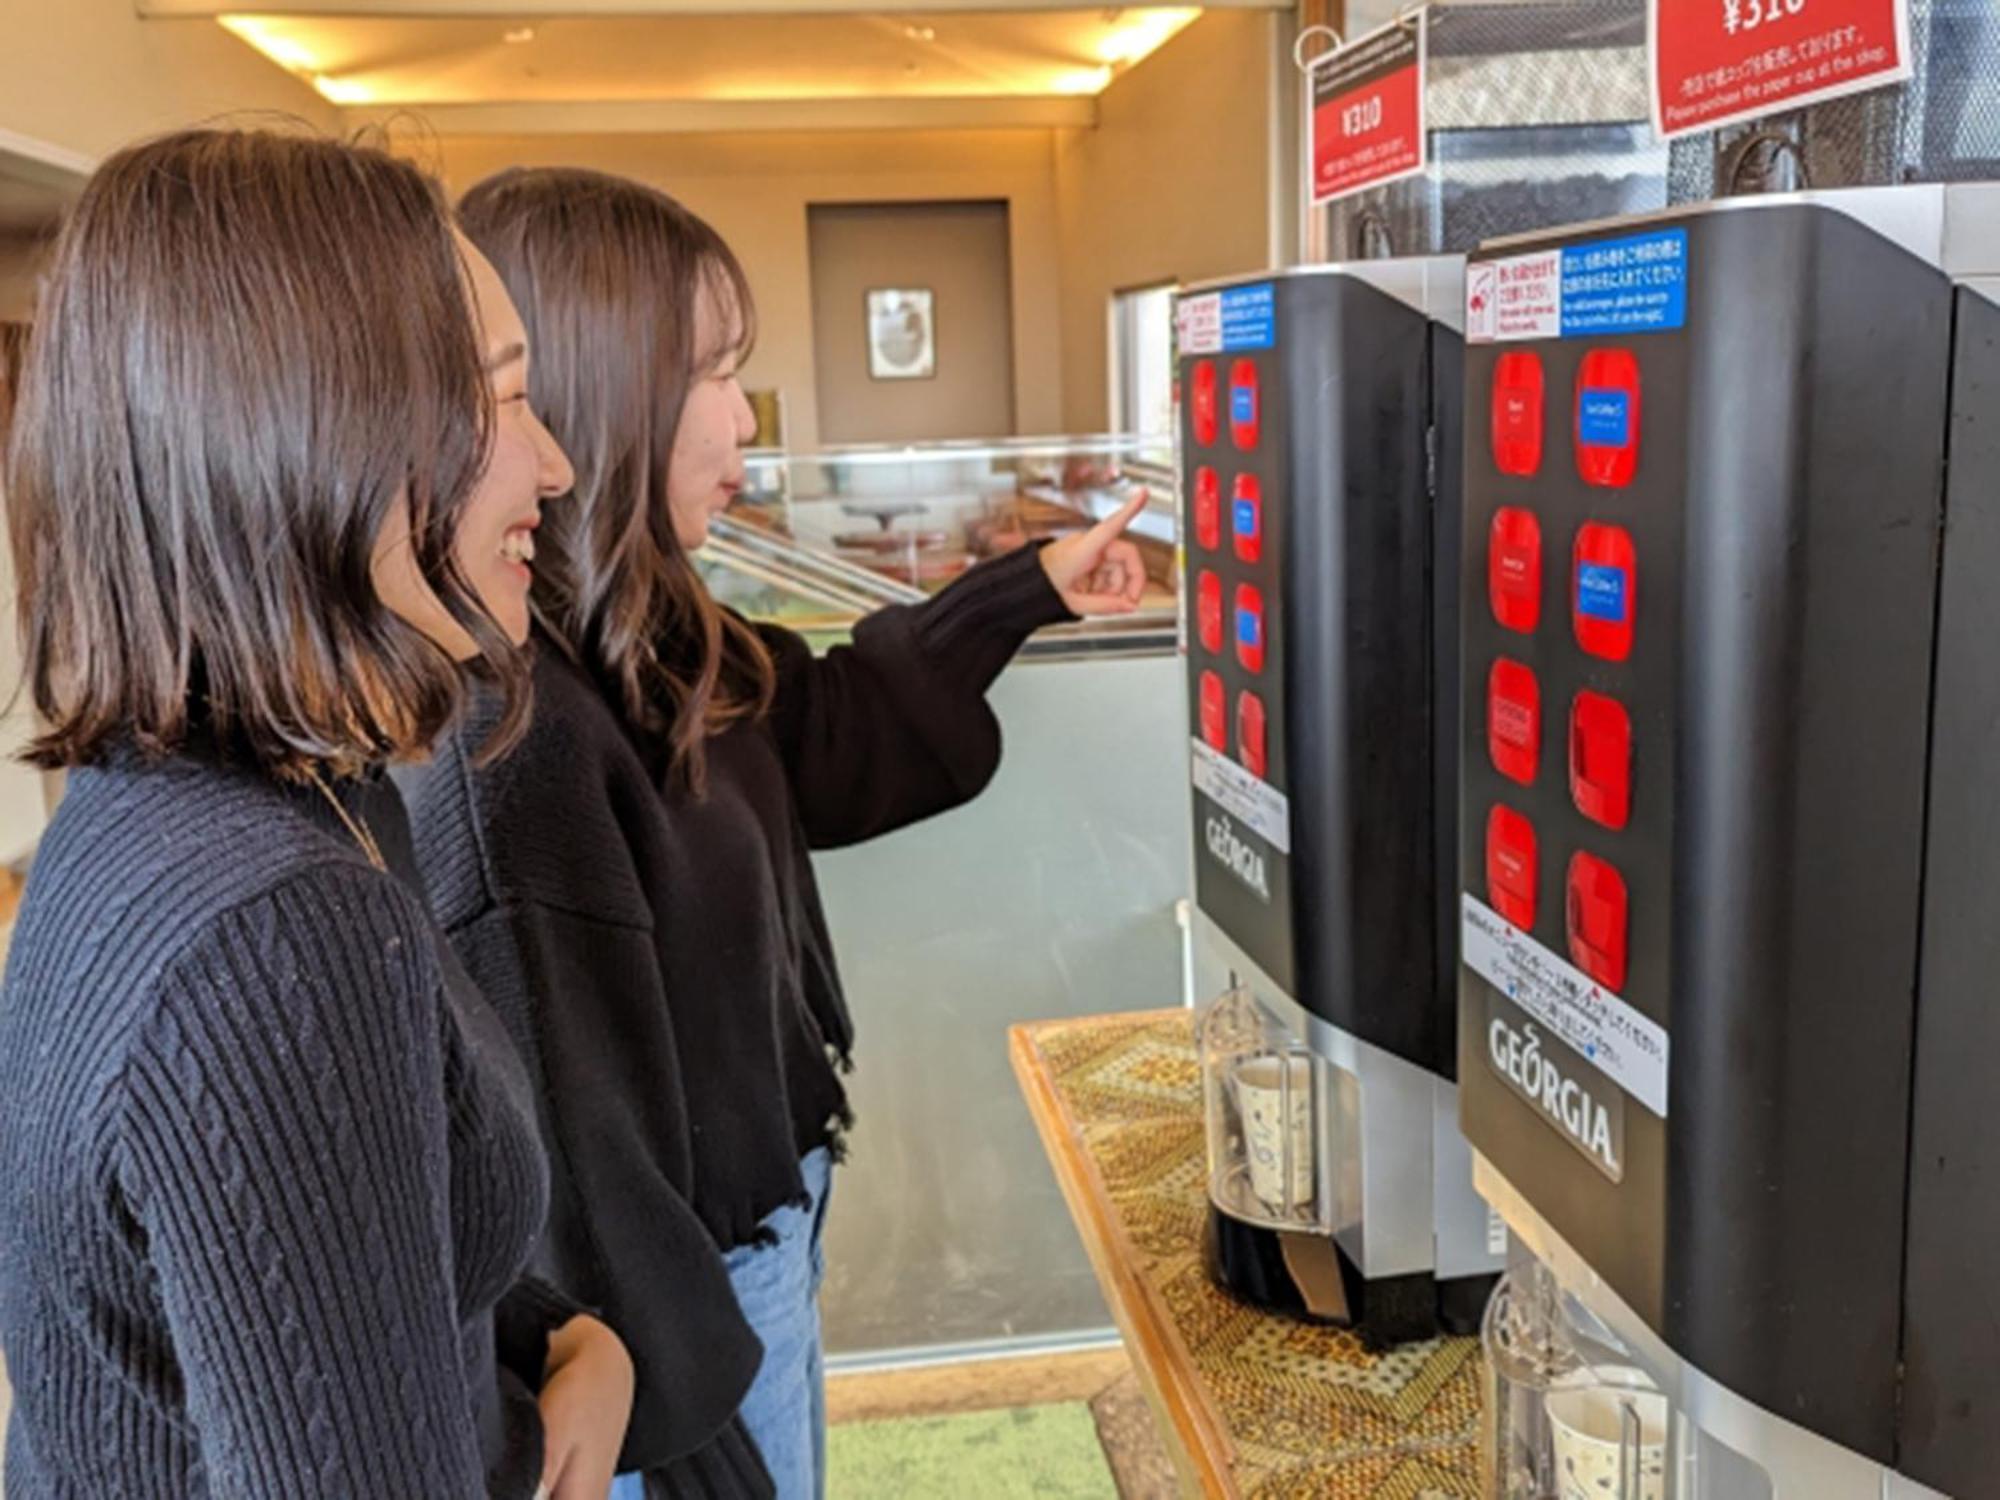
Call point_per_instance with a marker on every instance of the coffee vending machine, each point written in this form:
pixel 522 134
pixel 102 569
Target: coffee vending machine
pixel 1319 462
pixel 1729 840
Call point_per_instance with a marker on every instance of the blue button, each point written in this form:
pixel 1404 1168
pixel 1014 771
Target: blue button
pixel 1600 592
pixel 1605 419
pixel 1249 629
pixel 1244 516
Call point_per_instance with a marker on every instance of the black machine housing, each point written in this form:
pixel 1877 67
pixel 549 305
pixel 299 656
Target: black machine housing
pixel 1814 695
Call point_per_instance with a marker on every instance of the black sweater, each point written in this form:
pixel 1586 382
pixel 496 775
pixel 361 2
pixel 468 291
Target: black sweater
pixel 664 960
pixel 268 1171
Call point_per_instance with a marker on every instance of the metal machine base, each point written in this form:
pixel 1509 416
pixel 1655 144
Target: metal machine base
pixel 1308 1276
pixel 1724 1447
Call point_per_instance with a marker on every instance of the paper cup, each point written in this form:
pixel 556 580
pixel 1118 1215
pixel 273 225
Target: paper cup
pixel 1588 1423
pixel 1262 1102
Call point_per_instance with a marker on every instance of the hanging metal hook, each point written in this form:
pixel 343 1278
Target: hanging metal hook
pixel 1299 58
pixel 1741 159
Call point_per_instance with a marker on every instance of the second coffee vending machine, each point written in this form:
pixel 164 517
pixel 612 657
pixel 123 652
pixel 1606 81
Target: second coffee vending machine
pixel 1319 465
pixel 1730 843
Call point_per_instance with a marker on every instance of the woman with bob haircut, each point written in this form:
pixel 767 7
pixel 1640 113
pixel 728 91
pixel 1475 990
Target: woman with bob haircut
pixel 269 1169
pixel 639 869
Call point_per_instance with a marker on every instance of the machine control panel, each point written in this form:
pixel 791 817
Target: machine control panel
pixel 1232 442
pixel 1569 670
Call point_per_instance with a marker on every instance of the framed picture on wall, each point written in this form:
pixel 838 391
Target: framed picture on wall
pixel 902 334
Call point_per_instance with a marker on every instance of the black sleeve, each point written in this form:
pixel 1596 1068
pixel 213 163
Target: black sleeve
pixel 586 1005
pixel 531 1310
pixel 895 727
pixel 285 1143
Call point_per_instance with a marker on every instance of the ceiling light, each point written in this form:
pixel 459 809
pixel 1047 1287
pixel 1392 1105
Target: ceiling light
pixel 269 39
pixel 1143 33
pixel 1081 81
pixel 518 35
pixel 920 33
pixel 343 90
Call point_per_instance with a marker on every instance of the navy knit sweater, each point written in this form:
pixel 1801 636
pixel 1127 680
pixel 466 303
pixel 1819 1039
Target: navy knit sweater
pixel 268 1169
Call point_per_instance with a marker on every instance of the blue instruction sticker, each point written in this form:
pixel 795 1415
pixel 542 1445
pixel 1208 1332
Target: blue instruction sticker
pixel 1600 592
pixel 1249 317
pixel 1633 285
pixel 1604 418
pixel 1248 627
pixel 1245 512
pixel 1242 405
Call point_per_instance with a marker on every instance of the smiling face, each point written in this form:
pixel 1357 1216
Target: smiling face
pixel 705 472
pixel 494 546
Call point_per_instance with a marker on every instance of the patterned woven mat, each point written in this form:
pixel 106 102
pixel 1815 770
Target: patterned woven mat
pixel 1310 1413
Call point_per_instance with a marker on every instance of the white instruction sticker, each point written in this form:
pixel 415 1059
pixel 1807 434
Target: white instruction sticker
pixel 1256 804
pixel 1516 298
pixel 1198 324
pixel 1606 1032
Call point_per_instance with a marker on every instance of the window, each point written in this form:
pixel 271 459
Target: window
pixel 1142 361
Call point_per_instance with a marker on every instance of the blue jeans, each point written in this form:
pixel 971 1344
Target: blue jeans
pixel 778 1288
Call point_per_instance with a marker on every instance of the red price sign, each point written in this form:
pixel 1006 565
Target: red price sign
pixel 1718 62
pixel 1367 102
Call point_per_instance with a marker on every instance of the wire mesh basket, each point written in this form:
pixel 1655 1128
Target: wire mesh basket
pixel 1943 125
pixel 1537 115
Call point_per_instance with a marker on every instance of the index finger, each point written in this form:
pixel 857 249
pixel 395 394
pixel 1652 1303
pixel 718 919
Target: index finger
pixel 1115 523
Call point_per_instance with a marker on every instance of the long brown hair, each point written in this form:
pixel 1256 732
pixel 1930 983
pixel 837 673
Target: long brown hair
pixel 608 274
pixel 250 347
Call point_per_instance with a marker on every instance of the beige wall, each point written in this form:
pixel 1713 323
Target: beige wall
pixel 1173 184
pixel 755 187
pixel 958 251
pixel 86 76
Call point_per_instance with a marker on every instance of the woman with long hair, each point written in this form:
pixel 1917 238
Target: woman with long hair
pixel 637 873
pixel 269 1169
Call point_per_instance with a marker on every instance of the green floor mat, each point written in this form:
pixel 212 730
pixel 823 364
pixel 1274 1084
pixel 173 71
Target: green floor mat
pixel 1020 1453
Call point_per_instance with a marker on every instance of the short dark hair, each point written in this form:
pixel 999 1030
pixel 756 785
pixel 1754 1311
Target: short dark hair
pixel 607 274
pixel 250 347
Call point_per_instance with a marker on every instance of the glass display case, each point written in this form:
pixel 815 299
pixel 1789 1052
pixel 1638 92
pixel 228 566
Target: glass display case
pixel 816 541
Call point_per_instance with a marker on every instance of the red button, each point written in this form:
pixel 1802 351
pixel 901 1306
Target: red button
pixel 1512 866
pixel 1204 403
pixel 1596 915
pixel 1604 583
pixel 1250 737
pixel 1250 627
pixel 1214 713
pixel 1514 569
pixel 1600 759
pixel 1517 413
pixel 1514 720
pixel 1607 417
pixel 1245 414
pixel 1246 517
pixel 1207 508
pixel 1208 612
